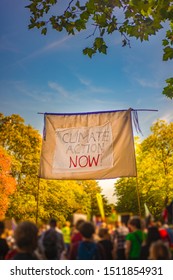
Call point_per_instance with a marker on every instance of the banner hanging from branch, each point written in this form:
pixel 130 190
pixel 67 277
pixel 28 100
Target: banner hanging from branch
pixel 83 146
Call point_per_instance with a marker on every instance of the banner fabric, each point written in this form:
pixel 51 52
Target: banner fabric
pixel 85 146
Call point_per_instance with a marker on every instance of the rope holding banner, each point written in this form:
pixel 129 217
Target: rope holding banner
pixel 136 121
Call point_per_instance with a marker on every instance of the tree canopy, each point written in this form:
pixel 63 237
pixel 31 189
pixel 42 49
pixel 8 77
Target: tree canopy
pixel 23 143
pixel 135 18
pixel 154 157
pixel 7 182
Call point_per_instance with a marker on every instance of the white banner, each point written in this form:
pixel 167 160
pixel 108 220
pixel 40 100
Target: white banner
pixel 88 146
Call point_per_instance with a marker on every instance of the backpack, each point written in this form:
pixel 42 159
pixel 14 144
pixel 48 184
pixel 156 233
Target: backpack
pixel 51 243
pixel 87 251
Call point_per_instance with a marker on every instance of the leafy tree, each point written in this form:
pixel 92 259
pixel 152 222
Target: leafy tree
pixel 7 182
pixel 134 18
pixel 23 143
pixel 91 187
pixel 125 190
pixel 155 175
pixel 61 199
pixel 157 155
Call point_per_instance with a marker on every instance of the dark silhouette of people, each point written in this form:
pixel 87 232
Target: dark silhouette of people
pixel 51 242
pixel 4 248
pixel 26 236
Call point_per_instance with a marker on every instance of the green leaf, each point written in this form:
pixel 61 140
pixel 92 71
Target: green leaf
pixel 90 6
pixel 103 49
pixel 78 4
pixel 101 19
pixel 67 14
pixel 85 15
pixel 102 31
pixel 80 24
pixel 98 42
pixel 89 52
pixel 168 53
pixel 44 31
pixel 168 90
pixel 52 2
pixel 165 42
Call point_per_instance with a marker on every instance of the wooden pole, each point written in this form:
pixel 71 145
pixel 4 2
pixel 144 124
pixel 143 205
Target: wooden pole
pixel 37 207
pixel 138 197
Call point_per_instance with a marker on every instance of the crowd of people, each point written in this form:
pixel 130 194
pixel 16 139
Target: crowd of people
pixel 88 241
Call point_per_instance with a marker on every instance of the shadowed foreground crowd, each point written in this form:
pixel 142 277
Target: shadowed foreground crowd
pixel 87 241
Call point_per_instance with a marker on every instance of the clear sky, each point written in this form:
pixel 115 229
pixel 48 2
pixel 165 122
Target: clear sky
pixel 50 74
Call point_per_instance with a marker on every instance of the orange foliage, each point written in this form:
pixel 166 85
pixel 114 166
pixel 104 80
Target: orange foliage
pixel 7 182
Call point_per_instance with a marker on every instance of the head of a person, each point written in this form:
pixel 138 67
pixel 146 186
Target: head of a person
pixel 103 233
pixel 2 227
pixel 149 221
pixel 135 223
pixel 26 236
pixel 79 223
pixel 67 224
pixel 152 235
pixel 53 223
pixel 159 251
pixel 118 224
pixel 87 230
pixel 159 224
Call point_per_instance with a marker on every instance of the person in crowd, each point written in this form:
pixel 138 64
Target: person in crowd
pixel 106 243
pixel 51 242
pixel 26 236
pixel 12 247
pixel 159 251
pixel 9 238
pixel 152 236
pixel 4 248
pixel 88 249
pixel 163 232
pixel 76 237
pixel 66 231
pixel 119 240
pixel 170 234
pixel 134 239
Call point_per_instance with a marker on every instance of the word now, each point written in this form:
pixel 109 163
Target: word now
pixel 84 161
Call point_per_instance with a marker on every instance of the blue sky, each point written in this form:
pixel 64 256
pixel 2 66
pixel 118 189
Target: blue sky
pixel 50 74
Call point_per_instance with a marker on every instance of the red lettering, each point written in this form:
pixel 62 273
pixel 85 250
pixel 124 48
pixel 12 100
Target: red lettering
pixel 81 161
pixel 72 162
pixel 84 161
pixel 93 160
